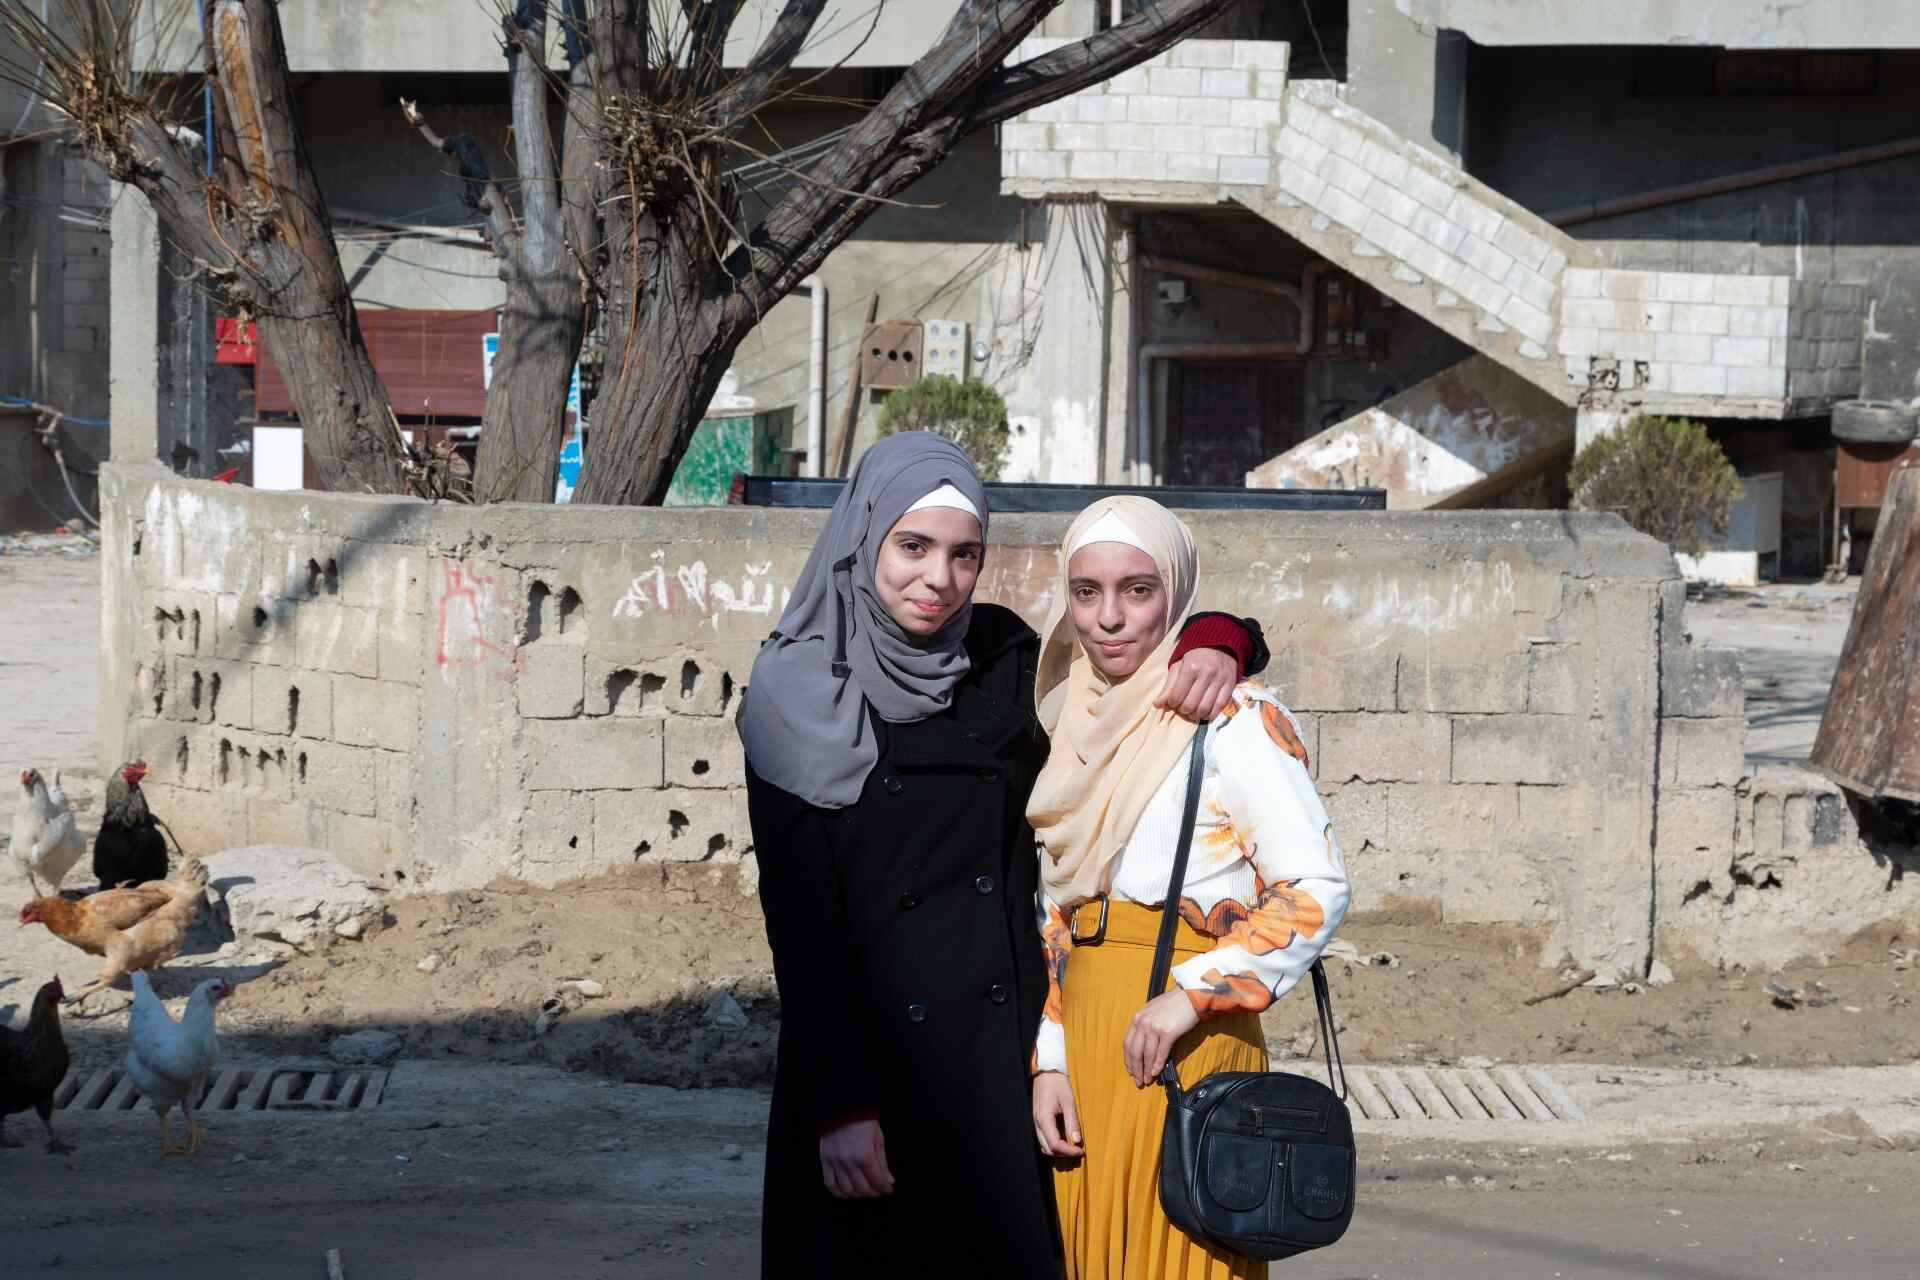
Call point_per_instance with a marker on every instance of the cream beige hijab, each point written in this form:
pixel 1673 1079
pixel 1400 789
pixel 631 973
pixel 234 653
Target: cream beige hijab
pixel 1112 748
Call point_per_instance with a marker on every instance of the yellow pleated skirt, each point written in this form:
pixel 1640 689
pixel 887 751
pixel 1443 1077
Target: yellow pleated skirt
pixel 1111 1222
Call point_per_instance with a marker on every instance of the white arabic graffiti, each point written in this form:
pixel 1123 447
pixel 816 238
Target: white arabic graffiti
pixel 652 591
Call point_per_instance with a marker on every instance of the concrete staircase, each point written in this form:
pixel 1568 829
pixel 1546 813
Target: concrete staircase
pixel 1466 433
pixel 1422 232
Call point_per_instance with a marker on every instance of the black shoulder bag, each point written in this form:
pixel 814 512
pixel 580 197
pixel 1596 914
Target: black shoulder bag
pixel 1259 1163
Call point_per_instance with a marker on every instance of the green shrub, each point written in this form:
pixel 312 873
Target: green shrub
pixel 1664 476
pixel 970 413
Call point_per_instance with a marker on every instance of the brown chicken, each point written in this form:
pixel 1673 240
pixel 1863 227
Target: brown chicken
pixel 157 938
pixel 33 1061
pixel 92 922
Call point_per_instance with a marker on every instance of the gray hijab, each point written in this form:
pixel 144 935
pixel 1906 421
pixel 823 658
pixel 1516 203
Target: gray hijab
pixel 837 652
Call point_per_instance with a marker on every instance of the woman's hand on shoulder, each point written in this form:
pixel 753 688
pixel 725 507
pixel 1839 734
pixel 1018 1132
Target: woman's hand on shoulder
pixel 1055 1122
pixel 853 1161
pixel 1200 685
pixel 1155 1029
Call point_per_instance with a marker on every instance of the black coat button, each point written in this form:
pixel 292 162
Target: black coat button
pixel 989 775
pixel 916 1012
pixel 908 901
pixel 893 785
pixel 997 993
pixel 983 885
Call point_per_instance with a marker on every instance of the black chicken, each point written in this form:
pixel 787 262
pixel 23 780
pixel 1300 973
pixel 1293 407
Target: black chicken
pixel 33 1062
pixel 129 847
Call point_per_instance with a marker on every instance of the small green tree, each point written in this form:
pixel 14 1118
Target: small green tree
pixel 1664 476
pixel 970 413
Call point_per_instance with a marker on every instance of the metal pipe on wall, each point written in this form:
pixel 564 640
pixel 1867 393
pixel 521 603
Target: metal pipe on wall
pixel 1599 209
pixel 816 378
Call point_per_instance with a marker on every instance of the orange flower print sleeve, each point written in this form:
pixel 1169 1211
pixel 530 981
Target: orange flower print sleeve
pixel 1056 937
pixel 1300 878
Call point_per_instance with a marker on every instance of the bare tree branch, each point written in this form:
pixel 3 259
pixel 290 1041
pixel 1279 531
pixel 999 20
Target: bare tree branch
pixel 1072 68
pixel 751 89
pixel 483 193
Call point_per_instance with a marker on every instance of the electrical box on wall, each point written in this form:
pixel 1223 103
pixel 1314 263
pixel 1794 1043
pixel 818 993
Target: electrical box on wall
pixel 946 348
pixel 1352 321
pixel 890 355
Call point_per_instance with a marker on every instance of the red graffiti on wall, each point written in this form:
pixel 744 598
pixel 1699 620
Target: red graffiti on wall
pixel 467 601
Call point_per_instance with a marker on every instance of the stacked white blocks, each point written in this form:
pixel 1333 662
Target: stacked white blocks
pixel 1200 113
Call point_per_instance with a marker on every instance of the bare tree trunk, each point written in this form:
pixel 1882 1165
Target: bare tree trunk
pixel 544 321
pixel 277 242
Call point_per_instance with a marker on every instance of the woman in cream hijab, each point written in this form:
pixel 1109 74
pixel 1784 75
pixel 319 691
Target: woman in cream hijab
pixel 1265 888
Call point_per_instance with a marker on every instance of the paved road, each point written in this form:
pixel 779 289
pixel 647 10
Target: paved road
pixel 1790 639
pixel 49 680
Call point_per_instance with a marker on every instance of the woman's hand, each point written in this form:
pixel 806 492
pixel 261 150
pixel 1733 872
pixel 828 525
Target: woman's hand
pixel 1151 1035
pixel 1055 1122
pixel 1200 685
pixel 853 1161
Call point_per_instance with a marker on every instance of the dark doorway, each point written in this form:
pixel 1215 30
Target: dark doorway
pixel 1227 419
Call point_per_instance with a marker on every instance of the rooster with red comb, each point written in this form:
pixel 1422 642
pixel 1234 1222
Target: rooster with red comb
pixel 129 846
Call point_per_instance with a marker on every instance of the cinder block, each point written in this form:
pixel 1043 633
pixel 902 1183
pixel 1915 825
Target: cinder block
pixel 1204 54
pixel 1527 318
pixel 1402 747
pixel 1683 348
pixel 1346 175
pixel 668 826
pixel 1383 163
pixel 1356 682
pixel 1684 286
pixel 1701 681
pixel 1358 811
pixel 1341 139
pixel 1245 171
pixel 382 576
pixel 1646 317
pixel 1026 137
pixel 1486 685
pixel 1697 380
pixel 336 777
pixel 1556 680
pixel 1590 313
pixel 1438 195
pixel 1100 108
pixel 1744 291
pixel 398 783
pixel 552 680
pixel 1144 166
pixel 1703 753
pixel 1479 290
pixel 1179 139
pixel 1536 749
pixel 1203 113
pixel 1535 289
pixel 1176 82
pixel 1437 230
pixel 1757 322
pixel 1389 235
pixel 403 647
pixel 1348 210
pixel 1580 283
pixel 1270 84
pixel 1095 166
pixel 271 821
pixel 1233 142
pixel 1628 286
pixel 1757 382
pixel 1527 249
pixel 1431 818
pixel 611 752
pixel 1700 317
pixel 1578 341
pixel 1254 113
pixel 1147 108
pixel 1441 268
pixel 557 838
pixel 1484 258
pixel 1080 137
pixel 1395 205
pixel 1475 217
pixel 1262 55
pixel 1300 150
pixel 1045 165
pixel 704 752
pixel 375 713
pixel 1226 83
pixel 1302 184
pixel 339 638
pixel 1741 353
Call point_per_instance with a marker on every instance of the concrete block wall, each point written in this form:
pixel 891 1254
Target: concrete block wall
pixel 88 251
pixel 1677 334
pixel 1198 114
pixel 1824 336
pixel 1502 708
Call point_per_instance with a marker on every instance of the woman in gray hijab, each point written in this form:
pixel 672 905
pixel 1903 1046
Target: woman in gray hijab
pixel 891 750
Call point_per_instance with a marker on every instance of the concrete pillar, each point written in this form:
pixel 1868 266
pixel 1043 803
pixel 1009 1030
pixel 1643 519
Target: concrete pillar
pixel 1590 424
pixel 134 342
pixel 1123 314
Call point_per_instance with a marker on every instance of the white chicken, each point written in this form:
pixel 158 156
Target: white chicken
pixel 170 1061
pixel 46 840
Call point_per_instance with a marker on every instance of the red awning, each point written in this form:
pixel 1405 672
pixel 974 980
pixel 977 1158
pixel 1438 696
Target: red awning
pixel 431 361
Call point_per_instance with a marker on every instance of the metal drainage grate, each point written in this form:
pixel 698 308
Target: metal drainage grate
pixel 1450 1093
pixel 235 1089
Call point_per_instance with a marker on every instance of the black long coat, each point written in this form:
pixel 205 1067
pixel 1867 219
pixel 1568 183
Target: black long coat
pixel 911 982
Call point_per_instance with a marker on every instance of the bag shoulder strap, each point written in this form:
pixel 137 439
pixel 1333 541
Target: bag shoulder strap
pixel 1170 916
